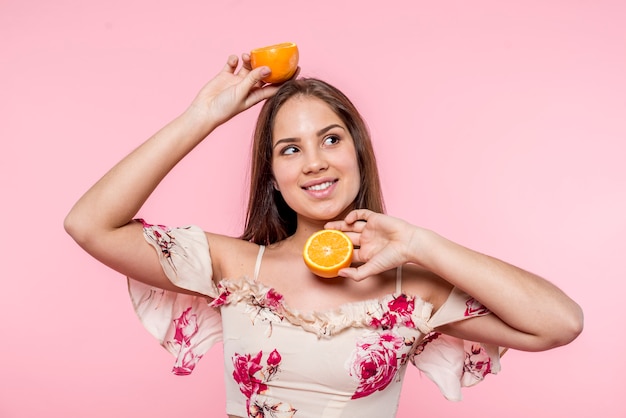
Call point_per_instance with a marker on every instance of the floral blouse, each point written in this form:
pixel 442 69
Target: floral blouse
pixel 280 362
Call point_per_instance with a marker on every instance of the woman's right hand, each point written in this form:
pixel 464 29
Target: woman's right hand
pixel 101 220
pixel 232 91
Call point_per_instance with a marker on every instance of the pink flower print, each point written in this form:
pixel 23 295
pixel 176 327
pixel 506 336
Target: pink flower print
pixel 403 307
pixel 273 361
pixel 277 410
pixel 406 356
pixel 401 304
pixel 274 358
pixel 161 235
pixel 221 299
pixel 477 362
pixel 399 311
pixel 386 321
pixel 186 362
pixel 475 308
pixel 266 307
pixel 422 345
pixel 149 225
pixel 246 367
pixel 186 327
pixel 255 410
pixel 166 243
pixel 273 299
pixel 374 362
pixel 252 379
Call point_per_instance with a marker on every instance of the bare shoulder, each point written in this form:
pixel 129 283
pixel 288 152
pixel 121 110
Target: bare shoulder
pixel 425 284
pixel 231 257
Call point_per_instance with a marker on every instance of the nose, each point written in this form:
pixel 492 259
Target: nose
pixel 315 162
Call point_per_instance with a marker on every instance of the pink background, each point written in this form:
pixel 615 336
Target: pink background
pixel 501 125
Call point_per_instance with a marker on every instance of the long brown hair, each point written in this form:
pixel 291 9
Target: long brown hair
pixel 269 219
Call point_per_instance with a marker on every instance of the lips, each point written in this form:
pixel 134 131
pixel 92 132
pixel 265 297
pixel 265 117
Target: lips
pixel 320 186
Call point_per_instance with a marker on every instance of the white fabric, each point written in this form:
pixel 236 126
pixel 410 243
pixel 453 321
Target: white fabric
pixel 341 363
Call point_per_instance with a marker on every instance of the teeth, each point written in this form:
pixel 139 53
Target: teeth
pixel 322 186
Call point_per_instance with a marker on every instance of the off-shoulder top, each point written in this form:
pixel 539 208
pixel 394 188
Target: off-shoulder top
pixel 280 362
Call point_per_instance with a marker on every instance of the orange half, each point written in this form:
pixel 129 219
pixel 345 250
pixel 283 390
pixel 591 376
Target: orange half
pixel 328 251
pixel 281 58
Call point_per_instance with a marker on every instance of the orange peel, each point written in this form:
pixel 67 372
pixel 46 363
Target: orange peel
pixel 282 59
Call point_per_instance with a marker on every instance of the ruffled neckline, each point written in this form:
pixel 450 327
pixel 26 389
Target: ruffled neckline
pixel 386 312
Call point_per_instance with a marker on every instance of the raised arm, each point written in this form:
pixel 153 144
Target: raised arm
pixel 530 313
pixel 101 220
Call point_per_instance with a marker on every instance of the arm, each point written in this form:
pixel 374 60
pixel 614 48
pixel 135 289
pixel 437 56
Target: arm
pixel 101 220
pixel 530 313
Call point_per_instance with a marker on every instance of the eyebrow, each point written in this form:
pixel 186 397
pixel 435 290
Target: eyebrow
pixel 318 133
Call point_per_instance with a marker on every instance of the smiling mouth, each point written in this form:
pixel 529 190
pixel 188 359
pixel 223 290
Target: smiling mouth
pixel 321 186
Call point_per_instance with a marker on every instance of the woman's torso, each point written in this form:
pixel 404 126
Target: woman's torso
pixel 308 338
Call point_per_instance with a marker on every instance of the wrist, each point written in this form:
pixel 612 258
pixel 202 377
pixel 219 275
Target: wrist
pixel 198 121
pixel 420 245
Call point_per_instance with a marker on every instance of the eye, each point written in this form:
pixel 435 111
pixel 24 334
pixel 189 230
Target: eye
pixel 289 150
pixel 331 140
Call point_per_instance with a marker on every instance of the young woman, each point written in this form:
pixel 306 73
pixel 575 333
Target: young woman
pixel 296 344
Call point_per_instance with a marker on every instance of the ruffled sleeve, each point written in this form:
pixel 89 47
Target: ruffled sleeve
pixel 450 362
pixel 185 325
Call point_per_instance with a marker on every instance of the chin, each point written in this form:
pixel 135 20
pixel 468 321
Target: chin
pixel 338 214
pixel 318 212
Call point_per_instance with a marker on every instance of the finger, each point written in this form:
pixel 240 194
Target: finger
pixel 245 60
pixel 231 64
pixel 348 273
pixel 358 256
pixel 355 238
pixel 358 215
pixel 256 89
pixel 359 226
pixel 338 225
pixel 357 273
pixel 261 94
pixel 246 66
pixel 254 77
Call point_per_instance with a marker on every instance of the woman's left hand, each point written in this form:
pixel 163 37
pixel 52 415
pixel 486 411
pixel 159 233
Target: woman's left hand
pixel 382 242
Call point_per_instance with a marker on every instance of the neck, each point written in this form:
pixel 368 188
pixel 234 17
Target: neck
pixel 307 226
pixel 305 229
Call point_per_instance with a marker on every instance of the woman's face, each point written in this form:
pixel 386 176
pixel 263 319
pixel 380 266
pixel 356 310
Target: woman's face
pixel 314 160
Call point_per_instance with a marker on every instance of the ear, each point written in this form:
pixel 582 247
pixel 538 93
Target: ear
pixel 275 185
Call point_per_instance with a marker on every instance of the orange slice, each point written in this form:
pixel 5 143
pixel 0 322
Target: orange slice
pixel 281 58
pixel 328 251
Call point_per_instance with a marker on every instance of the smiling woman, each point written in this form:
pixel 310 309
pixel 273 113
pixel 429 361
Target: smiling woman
pixel 337 114
pixel 294 344
pixel 315 170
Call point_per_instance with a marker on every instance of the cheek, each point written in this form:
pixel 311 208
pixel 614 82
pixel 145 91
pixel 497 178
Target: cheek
pixel 282 174
pixel 357 181
pixel 354 168
pixel 353 179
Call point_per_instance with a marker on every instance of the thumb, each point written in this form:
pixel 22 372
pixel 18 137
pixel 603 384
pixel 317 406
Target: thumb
pixel 257 75
pixel 255 90
pixel 357 273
